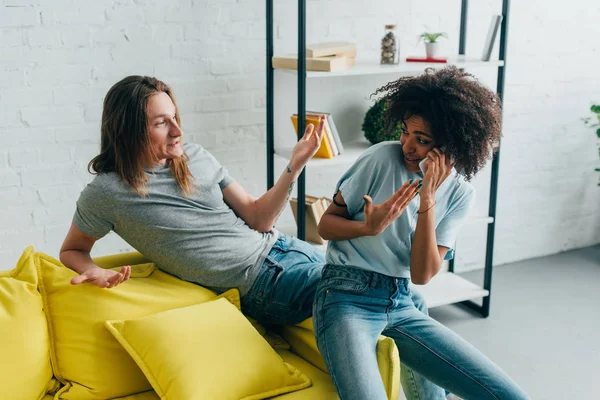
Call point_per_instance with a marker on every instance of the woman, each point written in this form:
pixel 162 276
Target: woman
pixel 391 224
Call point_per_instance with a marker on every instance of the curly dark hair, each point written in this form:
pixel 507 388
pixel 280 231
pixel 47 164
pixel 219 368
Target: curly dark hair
pixel 464 115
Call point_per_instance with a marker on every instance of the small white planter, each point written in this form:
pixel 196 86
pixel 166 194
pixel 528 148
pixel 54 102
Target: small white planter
pixel 432 49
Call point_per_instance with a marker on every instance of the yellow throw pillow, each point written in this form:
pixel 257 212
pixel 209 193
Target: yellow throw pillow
pixel 25 371
pixel 85 356
pixel 206 351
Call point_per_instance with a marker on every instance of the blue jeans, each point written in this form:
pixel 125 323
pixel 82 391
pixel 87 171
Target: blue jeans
pixel 284 290
pixel 353 307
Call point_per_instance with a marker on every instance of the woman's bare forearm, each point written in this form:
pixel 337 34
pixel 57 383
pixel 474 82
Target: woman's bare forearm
pixel 336 227
pixel 424 256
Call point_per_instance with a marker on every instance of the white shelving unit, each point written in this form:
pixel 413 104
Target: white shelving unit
pixel 345 94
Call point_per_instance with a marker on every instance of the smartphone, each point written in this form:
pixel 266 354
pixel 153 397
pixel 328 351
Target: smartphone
pixel 423 163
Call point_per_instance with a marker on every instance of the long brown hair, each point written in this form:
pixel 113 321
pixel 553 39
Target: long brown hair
pixel 125 146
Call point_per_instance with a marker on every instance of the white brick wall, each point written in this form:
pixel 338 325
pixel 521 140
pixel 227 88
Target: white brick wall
pixel 59 57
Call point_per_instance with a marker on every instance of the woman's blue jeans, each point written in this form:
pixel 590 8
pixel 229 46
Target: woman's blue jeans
pixel 353 307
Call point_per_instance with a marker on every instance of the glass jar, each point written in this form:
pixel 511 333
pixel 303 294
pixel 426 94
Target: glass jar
pixel 389 46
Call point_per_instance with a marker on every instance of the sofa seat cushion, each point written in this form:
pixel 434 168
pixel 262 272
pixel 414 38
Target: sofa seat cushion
pixel 25 342
pixel 85 356
pixel 322 387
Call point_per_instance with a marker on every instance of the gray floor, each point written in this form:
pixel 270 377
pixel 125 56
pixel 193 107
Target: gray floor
pixel 544 324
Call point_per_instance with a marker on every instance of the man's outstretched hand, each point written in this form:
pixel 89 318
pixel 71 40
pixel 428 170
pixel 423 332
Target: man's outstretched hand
pixel 104 278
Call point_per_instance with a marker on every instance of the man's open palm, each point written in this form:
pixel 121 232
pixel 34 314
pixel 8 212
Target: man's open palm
pixel 104 278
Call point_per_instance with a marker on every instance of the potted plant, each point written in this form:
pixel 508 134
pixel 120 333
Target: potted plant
pixel 374 125
pixel 431 42
pixel 596 110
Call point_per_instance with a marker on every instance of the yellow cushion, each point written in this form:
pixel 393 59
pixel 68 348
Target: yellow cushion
pixel 25 370
pixel 85 356
pixel 206 351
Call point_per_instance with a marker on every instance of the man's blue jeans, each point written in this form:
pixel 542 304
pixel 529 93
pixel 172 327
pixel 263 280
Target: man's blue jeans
pixel 284 290
pixel 353 307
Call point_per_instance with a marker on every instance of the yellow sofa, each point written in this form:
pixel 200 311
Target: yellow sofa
pixel 60 341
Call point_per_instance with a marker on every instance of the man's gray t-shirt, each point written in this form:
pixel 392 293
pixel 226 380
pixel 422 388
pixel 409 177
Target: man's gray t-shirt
pixel 199 239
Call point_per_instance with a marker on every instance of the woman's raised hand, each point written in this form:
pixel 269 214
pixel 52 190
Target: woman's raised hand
pixel 378 217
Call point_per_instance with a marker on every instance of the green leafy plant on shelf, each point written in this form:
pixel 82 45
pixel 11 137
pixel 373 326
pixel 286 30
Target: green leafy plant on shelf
pixel 374 125
pixel 431 37
pixel 596 110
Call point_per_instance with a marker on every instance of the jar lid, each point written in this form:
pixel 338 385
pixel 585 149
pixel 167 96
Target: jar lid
pixel 390 26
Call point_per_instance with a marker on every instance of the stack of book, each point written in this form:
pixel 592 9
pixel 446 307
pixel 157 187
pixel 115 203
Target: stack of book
pixel 331 144
pixel 315 208
pixel 328 56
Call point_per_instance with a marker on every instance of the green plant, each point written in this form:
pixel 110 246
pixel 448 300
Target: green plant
pixel 374 125
pixel 429 37
pixel 596 110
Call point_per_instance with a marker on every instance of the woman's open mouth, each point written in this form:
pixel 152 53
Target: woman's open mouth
pixel 411 160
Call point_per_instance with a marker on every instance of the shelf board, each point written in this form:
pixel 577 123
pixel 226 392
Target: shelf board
pixel 351 152
pixel 448 288
pixel 371 68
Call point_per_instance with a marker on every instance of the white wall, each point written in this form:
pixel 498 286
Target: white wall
pixel 59 57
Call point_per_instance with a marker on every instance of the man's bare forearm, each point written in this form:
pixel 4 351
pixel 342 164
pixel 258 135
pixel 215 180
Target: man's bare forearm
pixel 270 205
pixel 77 260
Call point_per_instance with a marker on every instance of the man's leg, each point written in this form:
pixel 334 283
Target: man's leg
pixel 285 289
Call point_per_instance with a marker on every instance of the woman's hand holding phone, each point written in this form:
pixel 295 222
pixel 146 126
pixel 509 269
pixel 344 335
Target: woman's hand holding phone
pixel 437 167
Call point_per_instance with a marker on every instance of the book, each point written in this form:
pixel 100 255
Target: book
pixel 325 150
pixel 427 59
pixel 333 129
pixel 312 217
pixel 491 37
pixel 328 131
pixel 326 64
pixel 330 49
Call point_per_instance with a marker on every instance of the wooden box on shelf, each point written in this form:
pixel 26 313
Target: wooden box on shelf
pixel 315 208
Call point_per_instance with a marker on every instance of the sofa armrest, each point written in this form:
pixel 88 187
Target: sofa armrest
pixel 302 340
pixel 118 260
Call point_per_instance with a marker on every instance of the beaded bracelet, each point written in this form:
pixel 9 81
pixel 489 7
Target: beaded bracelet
pixel 421 212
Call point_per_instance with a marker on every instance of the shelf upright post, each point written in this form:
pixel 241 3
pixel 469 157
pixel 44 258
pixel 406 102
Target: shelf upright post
pixel 270 96
pixel 462 44
pixel 301 210
pixel 484 309
pixel 489 257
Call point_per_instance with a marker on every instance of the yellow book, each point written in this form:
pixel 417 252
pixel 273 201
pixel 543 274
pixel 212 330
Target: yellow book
pixel 325 150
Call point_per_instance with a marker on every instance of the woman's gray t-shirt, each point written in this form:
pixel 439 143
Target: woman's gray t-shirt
pixel 198 238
